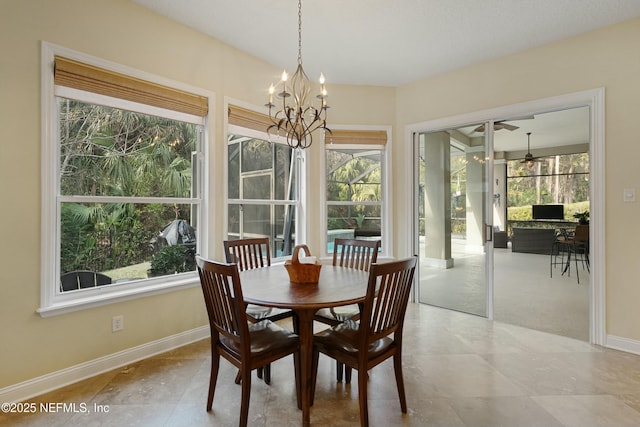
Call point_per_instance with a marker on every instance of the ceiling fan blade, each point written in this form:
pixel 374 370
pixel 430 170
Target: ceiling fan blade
pixel 496 126
pixel 510 127
pixel 530 158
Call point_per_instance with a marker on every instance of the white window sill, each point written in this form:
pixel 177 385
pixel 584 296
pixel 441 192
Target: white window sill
pixel 110 294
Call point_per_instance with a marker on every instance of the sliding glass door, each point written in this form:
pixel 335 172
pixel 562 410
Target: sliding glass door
pixel 452 172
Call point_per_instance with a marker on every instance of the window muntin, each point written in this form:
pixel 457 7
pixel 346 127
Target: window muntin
pixel 262 192
pixel 354 192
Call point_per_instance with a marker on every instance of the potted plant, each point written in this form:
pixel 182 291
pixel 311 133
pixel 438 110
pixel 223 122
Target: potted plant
pixel 171 260
pixel 583 217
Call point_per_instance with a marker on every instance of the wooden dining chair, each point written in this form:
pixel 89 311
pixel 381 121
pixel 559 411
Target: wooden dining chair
pixel 246 346
pixel 249 254
pixel 559 250
pixel 81 279
pixel 351 253
pixel 579 248
pixel 378 336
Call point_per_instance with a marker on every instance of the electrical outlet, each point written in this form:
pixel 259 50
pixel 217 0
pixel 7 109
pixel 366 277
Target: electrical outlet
pixel 117 323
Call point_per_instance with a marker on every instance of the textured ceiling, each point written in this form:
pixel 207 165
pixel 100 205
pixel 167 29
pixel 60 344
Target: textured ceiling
pixel 390 42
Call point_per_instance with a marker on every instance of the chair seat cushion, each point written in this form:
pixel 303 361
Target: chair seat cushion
pixel 266 337
pixel 344 338
pixel 256 313
pixel 335 315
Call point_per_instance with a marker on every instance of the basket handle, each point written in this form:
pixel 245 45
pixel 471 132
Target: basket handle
pixel 296 251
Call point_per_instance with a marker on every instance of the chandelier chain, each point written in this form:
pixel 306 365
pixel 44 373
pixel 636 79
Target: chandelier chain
pixel 299 32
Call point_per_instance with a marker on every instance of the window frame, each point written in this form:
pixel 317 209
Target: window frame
pixel 299 216
pixel 386 178
pixel 52 300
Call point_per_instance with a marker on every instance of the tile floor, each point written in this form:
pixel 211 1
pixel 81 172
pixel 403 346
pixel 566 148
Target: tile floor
pixel 459 370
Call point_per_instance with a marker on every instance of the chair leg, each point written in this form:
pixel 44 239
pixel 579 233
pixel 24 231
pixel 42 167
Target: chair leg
pixel 215 365
pixel 575 257
pixel 362 397
pixel 397 367
pixel 263 372
pixel 339 370
pixel 244 403
pixel 347 374
pixel 267 373
pixel 553 259
pixel 586 256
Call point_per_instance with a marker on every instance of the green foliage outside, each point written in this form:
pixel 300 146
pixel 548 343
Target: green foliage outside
pixel 171 260
pixel 109 152
pixel 562 179
pixel 353 177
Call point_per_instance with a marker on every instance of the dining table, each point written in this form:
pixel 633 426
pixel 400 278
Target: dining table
pixel 337 286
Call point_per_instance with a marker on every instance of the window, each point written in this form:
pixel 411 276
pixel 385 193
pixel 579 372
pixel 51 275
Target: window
pixel 355 164
pixel 263 183
pixel 553 180
pixel 124 184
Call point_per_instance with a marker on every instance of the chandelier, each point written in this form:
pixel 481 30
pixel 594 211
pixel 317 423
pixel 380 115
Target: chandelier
pixel 529 160
pixel 296 117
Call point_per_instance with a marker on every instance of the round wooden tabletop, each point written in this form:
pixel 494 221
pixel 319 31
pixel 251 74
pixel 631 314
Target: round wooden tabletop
pixel 270 286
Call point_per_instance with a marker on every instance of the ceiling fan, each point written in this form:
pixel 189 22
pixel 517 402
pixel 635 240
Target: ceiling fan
pixel 499 125
pixel 529 160
pixel 502 124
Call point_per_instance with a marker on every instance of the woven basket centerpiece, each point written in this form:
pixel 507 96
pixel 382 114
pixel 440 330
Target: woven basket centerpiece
pixel 302 272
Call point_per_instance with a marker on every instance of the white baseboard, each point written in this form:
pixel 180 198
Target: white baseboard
pixel 623 344
pixel 37 386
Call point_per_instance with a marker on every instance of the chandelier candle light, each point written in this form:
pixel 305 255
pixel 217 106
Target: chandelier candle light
pixel 297 119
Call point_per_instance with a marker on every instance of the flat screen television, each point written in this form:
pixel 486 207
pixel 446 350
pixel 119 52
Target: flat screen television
pixel 548 211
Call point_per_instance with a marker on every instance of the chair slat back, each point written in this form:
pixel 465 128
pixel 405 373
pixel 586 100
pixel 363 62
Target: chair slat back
pixel 81 279
pixel 387 297
pixel 354 253
pixel 248 253
pixel 223 297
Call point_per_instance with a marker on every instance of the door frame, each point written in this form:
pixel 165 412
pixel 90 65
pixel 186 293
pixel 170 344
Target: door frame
pixel 594 99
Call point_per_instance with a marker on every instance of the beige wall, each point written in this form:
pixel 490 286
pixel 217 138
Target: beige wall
pixel 122 32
